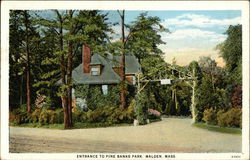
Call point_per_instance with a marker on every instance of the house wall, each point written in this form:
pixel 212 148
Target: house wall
pixel 94 98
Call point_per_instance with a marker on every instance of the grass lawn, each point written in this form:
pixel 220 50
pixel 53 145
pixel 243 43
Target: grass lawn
pixel 218 128
pixel 77 125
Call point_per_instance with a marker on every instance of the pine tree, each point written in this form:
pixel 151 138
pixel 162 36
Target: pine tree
pixel 72 28
pixel 144 37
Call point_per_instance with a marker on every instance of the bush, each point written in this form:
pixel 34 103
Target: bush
pixel 59 116
pixel 230 118
pixel 35 116
pixel 109 115
pixel 210 116
pixel 19 116
pixel 153 114
pixel 48 117
pixel 44 117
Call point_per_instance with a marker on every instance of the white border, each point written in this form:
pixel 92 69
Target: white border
pixel 129 5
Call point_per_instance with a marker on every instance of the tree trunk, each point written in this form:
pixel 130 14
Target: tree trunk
pixel 28 90
pixel 193 105
pixel 69 81
pixel 123 90
pixel 65 113
pixel 64 96
pixel 28 62
pixel 21 91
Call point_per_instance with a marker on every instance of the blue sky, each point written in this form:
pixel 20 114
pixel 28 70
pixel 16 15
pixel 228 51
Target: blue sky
pixel 193 33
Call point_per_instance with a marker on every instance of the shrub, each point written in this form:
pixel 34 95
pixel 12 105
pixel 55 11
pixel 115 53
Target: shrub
pixel 35 115
pixel 52 116
pixel 76 115
pixel 19 116
pixel 48 117
pixel 230 118
pixel 109 115
pixel 59 116
pixel 44 117
pixel 210 116
pixel 153 114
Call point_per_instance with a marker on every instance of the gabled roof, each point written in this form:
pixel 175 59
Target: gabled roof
pixel 132 65
pixel 107 75
pixel 95 59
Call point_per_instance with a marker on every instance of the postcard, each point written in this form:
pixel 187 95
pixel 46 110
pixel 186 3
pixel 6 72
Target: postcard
pixel 124 80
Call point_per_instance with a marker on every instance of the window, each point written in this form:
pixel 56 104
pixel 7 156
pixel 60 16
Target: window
pixel 95 71
pixel 105 89
pixel 133 80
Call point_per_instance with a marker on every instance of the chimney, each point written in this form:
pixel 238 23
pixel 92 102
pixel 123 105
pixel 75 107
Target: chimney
pixel 86 57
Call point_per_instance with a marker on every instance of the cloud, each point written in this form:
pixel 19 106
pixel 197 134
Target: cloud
pixel 199 21
pixel 194 34
pixel 118 33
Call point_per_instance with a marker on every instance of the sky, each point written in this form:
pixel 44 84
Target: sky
pixel 193 33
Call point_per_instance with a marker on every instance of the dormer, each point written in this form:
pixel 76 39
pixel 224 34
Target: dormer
pixel 95 70
pixel 95 65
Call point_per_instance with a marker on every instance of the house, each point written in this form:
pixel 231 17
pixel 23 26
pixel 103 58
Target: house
pixel 103 71
pixel 96 69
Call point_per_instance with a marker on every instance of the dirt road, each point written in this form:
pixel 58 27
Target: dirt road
pixel 169 135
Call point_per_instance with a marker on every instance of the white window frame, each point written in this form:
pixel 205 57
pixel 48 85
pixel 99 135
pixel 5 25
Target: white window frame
pixel 105 89
pixel 95 71
pixel 133 80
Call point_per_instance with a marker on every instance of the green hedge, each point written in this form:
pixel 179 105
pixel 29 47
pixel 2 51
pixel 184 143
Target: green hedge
pixel 230 118
pixel 109 115
pixel 42 116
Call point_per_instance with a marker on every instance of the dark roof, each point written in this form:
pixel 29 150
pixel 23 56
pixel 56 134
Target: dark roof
pixel 95 59
pixel 132 65
pixel 108 75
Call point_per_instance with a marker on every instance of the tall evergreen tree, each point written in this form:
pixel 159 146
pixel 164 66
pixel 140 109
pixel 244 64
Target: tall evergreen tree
pixel 23 40
pixel 72 28
pixel 143 38
pixel 16 62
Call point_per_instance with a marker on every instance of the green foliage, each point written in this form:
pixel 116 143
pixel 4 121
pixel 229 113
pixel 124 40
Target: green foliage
pixel 170 108
pixel 35 115
pixel 95 98
pixel 160 96
pixel 210 116
pixel 218 128
pixel 144 36
pixel 225 118
pixel 19 116
pixel 141 109
pixel 231 52
pixel 106 115
pixel 208 97
pixel 41 116
pixel 230 118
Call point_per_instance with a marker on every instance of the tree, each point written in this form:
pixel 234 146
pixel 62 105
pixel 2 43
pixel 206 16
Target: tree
pixel 213 72
pixel 16 62
pixel 196 76
pixel 24 40
pixel 142 41
pixel 143 38
pixel 122 68
pixel 71 30
pixel 231 52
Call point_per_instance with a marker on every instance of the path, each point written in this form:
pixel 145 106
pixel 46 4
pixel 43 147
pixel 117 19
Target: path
pixel 169 135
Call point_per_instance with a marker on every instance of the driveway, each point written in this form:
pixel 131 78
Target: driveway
pixel 168 135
